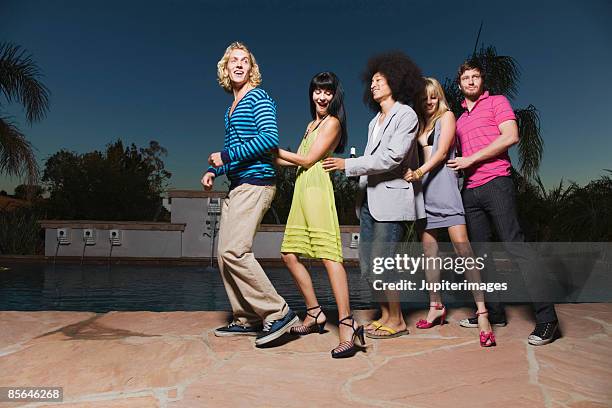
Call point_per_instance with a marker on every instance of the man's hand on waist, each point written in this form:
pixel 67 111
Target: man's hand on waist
pixel 460 163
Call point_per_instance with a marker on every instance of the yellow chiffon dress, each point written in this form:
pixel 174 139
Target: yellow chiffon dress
pixel 312 226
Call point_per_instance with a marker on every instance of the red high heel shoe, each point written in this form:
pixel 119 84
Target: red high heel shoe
pixel 487 339
pixel 424 324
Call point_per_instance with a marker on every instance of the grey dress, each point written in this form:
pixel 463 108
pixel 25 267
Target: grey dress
pixel 443 204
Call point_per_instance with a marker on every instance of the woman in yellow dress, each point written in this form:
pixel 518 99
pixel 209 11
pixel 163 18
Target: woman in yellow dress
pixel 312 226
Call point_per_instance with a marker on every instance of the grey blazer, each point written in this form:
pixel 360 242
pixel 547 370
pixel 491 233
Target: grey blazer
pixel 390 197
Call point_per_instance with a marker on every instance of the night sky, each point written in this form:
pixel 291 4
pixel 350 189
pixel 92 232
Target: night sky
pixel 144 71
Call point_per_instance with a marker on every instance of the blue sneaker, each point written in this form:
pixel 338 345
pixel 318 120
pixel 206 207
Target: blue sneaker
pixel 236 329
pixel 276 328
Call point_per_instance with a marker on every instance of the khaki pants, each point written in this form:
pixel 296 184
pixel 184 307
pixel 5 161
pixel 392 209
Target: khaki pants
pixel 250 292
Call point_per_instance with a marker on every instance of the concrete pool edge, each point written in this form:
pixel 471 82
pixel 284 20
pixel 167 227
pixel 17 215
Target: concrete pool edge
pixel 172 359
pixel 185 261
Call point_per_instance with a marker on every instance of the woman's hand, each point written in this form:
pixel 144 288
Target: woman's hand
pixel 215 159
pixel 411 176
pixel 333 163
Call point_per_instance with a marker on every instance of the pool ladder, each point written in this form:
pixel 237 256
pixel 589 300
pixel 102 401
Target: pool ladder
pixel 114 238
pixel 63 238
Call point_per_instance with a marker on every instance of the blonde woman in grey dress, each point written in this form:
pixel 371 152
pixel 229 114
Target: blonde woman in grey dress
pixel 443 204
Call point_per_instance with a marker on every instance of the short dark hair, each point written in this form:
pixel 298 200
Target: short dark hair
pixel 471 63
pixel 402 74
pixel 330 82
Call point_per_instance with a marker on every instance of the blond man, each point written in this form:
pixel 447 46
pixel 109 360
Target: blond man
pixel 250 134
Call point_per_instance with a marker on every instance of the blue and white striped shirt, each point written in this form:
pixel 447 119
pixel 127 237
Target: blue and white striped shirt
pixel 250 133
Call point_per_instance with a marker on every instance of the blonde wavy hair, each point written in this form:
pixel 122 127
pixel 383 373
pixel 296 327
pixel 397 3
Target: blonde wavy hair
pixel 431 85
pixel 223 75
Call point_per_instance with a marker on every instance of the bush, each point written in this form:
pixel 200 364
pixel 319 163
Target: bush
pixel 20 233
pixel 567 213
pixel 122 183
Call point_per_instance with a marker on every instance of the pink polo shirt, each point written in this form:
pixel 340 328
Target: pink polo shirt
pixel 478 128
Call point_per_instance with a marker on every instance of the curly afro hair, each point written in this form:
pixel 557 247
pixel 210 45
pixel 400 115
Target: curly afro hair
pixel 402 74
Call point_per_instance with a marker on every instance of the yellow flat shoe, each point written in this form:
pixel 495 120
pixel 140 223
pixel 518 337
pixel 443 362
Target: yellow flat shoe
pixel 376 324
pixel 392 333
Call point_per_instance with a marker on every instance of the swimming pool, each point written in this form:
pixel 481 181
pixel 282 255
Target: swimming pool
pixel 102 288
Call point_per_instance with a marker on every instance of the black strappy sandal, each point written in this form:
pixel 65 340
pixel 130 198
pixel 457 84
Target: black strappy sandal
pixel 315 328
pixel 349 348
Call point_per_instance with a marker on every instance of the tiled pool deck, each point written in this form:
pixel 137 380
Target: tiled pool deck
pixel 147 359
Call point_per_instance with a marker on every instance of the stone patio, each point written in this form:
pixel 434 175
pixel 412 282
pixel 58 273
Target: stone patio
pixel 147 359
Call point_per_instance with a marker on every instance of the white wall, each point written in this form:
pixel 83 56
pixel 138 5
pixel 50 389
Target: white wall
pixel 147 240
pixel 135 243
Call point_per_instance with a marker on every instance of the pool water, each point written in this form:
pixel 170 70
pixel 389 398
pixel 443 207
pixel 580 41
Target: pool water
pixel 102 288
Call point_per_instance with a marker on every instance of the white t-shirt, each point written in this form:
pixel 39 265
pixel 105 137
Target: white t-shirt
pixel 375 133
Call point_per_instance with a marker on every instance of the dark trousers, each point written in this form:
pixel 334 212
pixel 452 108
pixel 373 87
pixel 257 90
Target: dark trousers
pixel 493 205
pixel 377 239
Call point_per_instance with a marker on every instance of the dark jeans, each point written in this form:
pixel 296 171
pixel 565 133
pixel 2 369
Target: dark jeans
pixel 377 239
pixel 494 205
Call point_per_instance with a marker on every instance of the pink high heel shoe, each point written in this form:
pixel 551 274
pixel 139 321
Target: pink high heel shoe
pixel 424 324
pixel 487 339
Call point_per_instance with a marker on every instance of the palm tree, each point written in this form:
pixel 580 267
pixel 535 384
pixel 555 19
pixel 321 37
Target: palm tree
pixel 502 78
pixel 19 83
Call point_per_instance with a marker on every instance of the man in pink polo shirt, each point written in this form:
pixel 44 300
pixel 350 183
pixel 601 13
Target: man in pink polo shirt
pixel 485 131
